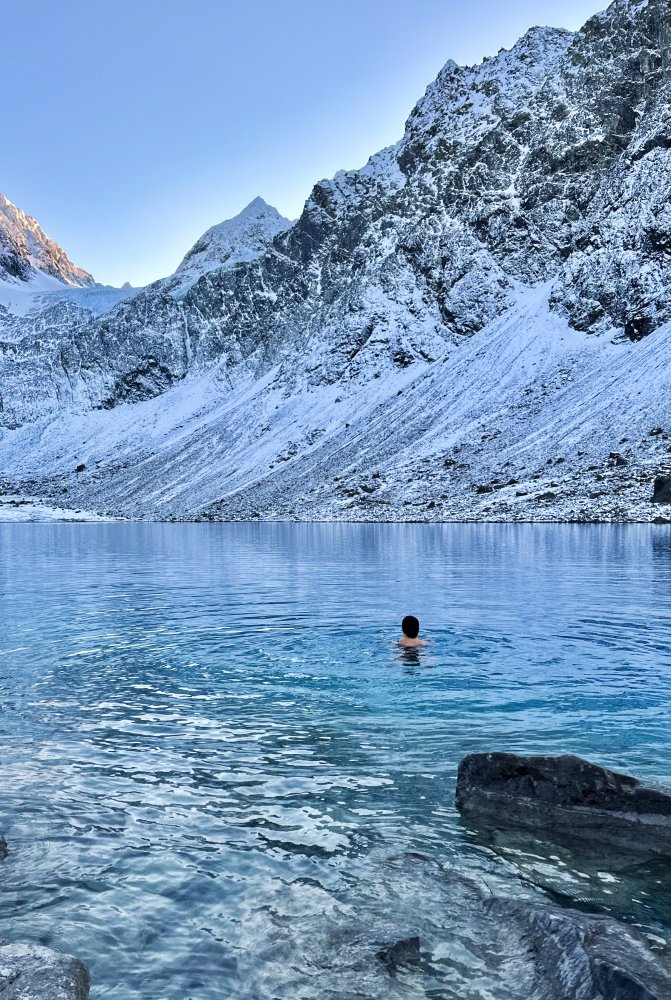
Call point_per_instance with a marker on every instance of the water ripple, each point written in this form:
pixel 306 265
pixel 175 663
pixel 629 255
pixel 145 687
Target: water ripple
pixel 212 748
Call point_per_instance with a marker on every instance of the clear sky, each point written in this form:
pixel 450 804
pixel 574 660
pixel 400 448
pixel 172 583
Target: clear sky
pixel 131 126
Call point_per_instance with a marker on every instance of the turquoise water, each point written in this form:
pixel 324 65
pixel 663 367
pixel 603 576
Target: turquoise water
pixel 213 756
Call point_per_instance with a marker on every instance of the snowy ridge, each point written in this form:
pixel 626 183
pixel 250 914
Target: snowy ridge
pixel 242 238
pixel 26 251
pixel 542 450
pixel 474 325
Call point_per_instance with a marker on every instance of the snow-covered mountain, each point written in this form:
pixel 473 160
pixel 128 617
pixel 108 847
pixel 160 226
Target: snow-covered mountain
pixel 476 324
pixel 239 240
pixel 29 261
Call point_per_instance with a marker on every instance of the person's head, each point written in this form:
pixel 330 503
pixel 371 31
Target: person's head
pixel 410 627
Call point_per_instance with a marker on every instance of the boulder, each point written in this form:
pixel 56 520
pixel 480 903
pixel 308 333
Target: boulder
pixel 618 459
pixel 565 797
pixel 4 850
pixel 31 972
pixel 661 492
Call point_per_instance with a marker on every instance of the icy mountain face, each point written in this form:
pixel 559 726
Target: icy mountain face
pixel 26 251
pixel 243 238
pixel 482 308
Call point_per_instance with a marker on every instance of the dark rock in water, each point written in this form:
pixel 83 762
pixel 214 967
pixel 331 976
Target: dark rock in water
pixel 533 950
pixel 81 467
pixel 564 797
pixel 4 850
pixel 30 972
pixel 580 956
pixel 662 490
pixel 403 952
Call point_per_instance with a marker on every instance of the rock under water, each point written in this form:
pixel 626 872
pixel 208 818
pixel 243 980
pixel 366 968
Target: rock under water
pixel 451 933
pixel 579 956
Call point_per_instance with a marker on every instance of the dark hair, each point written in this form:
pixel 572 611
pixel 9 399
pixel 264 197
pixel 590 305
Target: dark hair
pixel 410 626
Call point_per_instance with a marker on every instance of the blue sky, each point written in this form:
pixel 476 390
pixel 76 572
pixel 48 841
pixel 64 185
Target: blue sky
pixel 131 127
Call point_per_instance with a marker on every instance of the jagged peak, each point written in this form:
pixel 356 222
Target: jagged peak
pixel 256 211
pixel 243 238
pixel 258 206
pixel 26 250
pixel 618 7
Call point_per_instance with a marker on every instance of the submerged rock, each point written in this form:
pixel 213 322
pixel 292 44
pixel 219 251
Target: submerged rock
pixel 403 952
pixel 31 972
pixel 4 850
pixel 416 927
pixel 525 948
pixel 565 796
pixel 533 950
pixel 579 956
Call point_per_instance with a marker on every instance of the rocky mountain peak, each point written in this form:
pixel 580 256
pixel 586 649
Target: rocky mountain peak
pixel 26 251
pixel 243 238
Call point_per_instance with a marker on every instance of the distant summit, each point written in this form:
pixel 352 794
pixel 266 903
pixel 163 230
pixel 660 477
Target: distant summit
pixel 26 252
pixel 241 239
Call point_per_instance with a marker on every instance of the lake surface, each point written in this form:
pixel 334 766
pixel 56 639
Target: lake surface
pixel 215 761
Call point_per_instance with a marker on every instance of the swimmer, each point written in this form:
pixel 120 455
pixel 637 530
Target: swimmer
pixel 410 629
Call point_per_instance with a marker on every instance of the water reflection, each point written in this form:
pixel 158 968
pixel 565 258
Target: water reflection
pixel 410 657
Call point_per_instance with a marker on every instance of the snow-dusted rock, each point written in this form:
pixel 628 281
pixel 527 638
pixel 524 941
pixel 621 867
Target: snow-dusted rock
pixel 239 240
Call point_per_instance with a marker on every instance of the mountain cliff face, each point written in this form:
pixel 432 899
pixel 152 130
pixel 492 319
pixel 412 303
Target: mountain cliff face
pixel 26 251
pixel 475 324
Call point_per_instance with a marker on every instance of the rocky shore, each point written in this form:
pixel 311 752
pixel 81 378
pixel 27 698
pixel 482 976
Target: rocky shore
pixel 509 938
pixel 31 972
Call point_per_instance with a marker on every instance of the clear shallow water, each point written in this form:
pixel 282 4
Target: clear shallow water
pixel 215 763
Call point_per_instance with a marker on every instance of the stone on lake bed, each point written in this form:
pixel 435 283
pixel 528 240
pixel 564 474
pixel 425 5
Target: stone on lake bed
pixel 565 796
pixel 579 956
pixel 527 949
pixel 31 972
pixel 403 952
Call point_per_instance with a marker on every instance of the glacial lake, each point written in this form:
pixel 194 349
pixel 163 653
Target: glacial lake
pixel 215 762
